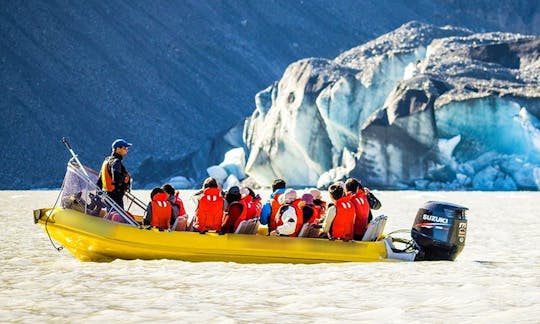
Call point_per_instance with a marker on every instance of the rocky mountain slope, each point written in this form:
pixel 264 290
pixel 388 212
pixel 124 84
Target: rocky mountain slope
pixel 175 77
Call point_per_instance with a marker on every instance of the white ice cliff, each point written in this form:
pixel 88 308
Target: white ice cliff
pixel 421 107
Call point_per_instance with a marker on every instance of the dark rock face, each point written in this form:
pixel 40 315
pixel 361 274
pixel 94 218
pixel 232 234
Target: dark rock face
pixel 174 77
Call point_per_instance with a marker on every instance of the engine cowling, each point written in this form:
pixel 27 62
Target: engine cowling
pixel 439 230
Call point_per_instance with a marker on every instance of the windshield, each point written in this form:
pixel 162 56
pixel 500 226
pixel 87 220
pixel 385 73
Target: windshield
pixel 80 192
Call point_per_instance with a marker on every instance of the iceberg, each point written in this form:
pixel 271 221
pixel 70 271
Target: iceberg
pixel 181 182
pixel 422 107
pixel 231 170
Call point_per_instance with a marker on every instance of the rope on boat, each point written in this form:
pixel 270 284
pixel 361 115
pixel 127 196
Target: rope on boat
pixel 57 248
pixel 410 245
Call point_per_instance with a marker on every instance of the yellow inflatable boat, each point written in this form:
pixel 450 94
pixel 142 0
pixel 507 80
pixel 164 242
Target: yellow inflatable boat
pixel 93 227
pixel 91 238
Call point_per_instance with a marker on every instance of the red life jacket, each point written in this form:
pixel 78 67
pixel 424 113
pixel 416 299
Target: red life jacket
pixel 316 218
pixel 161 211
pixel 343 224
pixel 299 217
pixel 254 207
pixel 274 220
pixel 311 213
pixel 241 213
pixel 361 207
pixel 245 209
pixel 236 212
pixel 178 202
pixel 210 211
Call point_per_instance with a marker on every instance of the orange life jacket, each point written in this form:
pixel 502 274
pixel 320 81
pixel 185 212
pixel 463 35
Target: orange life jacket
pixel 161 211
pixel 210 211
pixel 343 224
pixel 274 221
pixel 106 177
pixel 361 207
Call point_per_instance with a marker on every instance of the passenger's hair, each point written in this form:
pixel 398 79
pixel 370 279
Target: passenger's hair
pixel 307 213
pixel 278 184
pixel 251 192
pixel 169 189
pixel 335 191
pixel 210 183
pixel 352 185
pixel 233 194
pixel 155 191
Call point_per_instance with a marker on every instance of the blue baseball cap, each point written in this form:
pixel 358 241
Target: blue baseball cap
pixel 120 143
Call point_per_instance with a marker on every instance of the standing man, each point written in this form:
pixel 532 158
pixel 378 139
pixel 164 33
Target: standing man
pixel 113 177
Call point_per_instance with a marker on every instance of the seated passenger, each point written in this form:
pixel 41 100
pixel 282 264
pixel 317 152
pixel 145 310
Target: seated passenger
pixel 179 221
pixel 339 222
pixel 209 212
pixel 235 210
pixel 232 195
pixel 159 211
pixel 310 212
pixel 320 204
pixel 270 209
pixel 289 219
pixel 241 206
pixel 252 201
pixel 357 196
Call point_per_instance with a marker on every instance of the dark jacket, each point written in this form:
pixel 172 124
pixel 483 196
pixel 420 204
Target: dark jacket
pixel 118 172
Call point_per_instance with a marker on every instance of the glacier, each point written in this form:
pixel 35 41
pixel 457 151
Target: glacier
pixel 422 107
pixel 158 74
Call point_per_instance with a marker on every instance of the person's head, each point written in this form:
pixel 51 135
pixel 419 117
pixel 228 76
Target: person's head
pixel 244 192
pixel 278 184
pixel 233 194
pixel 169 189
pixel 251 192
pixel 155 191
pixel 247 191
pixel 336 191
pixel 316 193
pixel 352 185
pixel 120 146
pixel 308 198
pixel 210 183
pixel 288 196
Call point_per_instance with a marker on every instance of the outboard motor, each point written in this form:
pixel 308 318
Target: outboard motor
pixel 439 230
